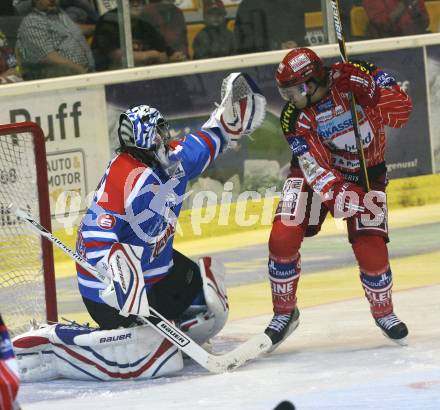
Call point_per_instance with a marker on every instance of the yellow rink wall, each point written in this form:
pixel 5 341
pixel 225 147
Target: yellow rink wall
pixel 406 192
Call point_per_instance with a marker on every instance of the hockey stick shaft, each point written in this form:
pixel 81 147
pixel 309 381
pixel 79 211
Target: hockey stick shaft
pixel 214 363
pixel 356 129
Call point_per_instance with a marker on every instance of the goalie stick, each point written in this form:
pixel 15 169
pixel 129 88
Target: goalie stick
pixel 248 350
pixel 357 134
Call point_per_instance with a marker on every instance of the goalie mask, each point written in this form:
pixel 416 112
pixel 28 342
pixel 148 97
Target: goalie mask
pixel 143 127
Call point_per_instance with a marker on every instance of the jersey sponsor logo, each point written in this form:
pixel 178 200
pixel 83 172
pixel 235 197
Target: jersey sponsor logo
pixel 298 145
pixel 328 130
pixel 330 113
pixel 286 118
pixel 342 162
pixel 339 110
pixel 298 62
pixel 325 116
pixel 106 221
pixel 346 142
pixel 323 182
pixel 310 168
pixel 161 242
pixel 115 338
pixel 172 333
pixel 325 105
pixel 338 133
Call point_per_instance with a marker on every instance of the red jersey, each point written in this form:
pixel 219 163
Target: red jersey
pixel 327 128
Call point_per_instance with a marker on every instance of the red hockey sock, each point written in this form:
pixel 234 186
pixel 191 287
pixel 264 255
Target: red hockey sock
pixel 284 265
pixel 378 293
pixel 284 276
pixel 372 255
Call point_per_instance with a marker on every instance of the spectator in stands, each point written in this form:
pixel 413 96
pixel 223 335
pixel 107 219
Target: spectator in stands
pixel 214 40
pixel 263 25
pixel 50 44
pixel 170 21
pixel 23 7
pixel 392 18
pixel 80 11
pixel 9 21
pixel 149 46
pixel 8 63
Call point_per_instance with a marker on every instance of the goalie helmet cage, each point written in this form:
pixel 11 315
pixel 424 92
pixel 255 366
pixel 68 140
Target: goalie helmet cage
pixel 27 280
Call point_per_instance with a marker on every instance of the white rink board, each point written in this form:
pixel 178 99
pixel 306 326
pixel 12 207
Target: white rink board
pixel 75 125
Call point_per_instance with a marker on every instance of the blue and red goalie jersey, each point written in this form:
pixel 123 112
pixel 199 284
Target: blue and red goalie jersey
pixel 139 205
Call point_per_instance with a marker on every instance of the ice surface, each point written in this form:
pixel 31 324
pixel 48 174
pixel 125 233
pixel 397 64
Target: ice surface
pixel 336 359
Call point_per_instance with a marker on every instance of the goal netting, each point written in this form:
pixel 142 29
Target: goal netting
pixel 27 286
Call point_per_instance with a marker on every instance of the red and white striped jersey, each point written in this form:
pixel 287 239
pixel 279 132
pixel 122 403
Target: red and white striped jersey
pixel 327 128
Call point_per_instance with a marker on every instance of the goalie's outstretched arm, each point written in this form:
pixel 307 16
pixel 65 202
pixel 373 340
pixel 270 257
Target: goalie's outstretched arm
pixel 241 111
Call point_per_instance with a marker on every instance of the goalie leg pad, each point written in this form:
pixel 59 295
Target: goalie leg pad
pixel 206 324
pixel 83 353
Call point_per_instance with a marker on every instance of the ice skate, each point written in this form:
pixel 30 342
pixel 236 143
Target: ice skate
pixel 393 328
pixel 281 326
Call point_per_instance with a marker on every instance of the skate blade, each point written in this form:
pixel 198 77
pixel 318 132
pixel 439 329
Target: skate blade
pixel 400 342
pixel 293 325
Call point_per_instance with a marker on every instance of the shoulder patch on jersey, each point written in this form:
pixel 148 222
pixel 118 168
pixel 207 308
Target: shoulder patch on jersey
pixel 288 118
pixel 120 180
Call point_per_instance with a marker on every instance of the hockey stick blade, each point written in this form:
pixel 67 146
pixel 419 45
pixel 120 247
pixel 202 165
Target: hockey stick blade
pixel 249 350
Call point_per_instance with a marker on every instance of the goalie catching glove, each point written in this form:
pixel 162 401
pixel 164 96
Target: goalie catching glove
pixel 242 109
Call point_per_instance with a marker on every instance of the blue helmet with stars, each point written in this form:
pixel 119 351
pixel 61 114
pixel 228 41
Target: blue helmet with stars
pixel 143 127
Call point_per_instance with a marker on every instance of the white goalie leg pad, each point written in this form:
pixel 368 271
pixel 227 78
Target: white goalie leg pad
pixel 83 353
pixel 126 291
pixel 209 322
pixel 242 109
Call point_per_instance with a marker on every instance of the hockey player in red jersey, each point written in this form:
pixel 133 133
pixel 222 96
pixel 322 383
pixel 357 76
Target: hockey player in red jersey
pixel 9 380
pixel 325 177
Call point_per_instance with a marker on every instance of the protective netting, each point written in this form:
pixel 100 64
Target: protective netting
pixel 22 296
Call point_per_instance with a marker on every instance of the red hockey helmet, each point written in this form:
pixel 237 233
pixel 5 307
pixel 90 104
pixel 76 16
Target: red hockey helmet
pixel 298 66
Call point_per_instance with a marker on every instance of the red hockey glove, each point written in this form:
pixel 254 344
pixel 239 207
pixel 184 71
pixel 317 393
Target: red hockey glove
pixel 347 200
pixel 348 78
